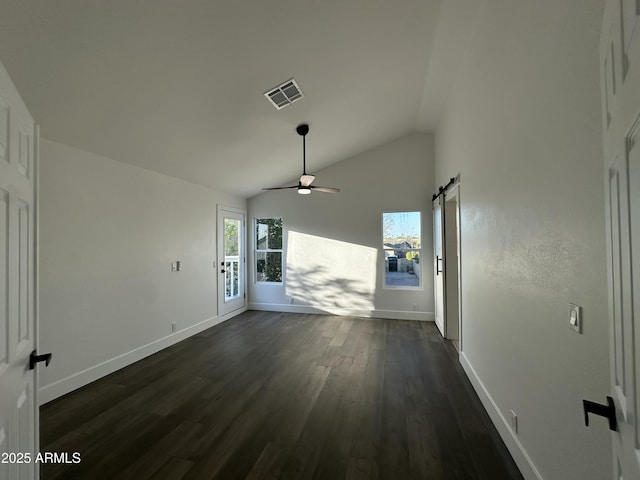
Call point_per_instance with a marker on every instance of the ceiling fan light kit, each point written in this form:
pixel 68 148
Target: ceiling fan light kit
pixel 304 184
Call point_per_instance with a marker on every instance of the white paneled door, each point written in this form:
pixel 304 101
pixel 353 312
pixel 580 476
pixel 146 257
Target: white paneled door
pixel 231 260
pixel 438 267
pixel 620 85
pixel 18 405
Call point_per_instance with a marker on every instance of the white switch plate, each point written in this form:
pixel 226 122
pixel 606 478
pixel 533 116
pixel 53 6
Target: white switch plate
pixel 575 318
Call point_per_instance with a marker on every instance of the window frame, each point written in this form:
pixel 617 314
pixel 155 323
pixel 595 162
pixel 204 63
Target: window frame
pixel 385 249
pixel 257 250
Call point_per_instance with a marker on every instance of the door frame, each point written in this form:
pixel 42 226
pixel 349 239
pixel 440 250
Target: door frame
pixel 454 194
pixel 36 287
pixel 223 314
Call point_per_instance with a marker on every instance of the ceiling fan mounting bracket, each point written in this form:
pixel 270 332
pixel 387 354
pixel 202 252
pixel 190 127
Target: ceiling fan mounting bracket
pixel 302 129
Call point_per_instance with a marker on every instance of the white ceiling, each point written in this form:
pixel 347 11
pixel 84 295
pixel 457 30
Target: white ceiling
pixel 177 86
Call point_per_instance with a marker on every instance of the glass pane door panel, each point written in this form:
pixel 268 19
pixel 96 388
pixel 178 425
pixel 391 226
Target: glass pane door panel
pixel 232 228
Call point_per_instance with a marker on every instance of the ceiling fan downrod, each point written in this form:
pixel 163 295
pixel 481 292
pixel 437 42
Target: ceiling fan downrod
pixel 302 130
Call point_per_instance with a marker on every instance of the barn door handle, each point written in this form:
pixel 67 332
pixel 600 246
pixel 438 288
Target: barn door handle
pixel 608 411
pixel 35 358
pixel 438 271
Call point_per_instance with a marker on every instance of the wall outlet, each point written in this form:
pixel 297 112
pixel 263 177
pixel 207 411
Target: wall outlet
pixel 173 327
pixel 415 307
pixel 179 265
pixel 174 267
pixel 291 300
pixel 514 422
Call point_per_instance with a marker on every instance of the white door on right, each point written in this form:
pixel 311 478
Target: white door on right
pixel 620 85
pixel 438 264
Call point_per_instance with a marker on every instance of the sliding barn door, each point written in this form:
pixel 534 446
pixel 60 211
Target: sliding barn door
pixel 438 264
pixel 620 84
pixel 18 406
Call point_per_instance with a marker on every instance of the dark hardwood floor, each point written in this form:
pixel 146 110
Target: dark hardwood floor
pixel 283 396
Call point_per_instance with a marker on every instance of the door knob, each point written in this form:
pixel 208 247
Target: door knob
pixel 35 358
pixel 222 271
pixel 608 411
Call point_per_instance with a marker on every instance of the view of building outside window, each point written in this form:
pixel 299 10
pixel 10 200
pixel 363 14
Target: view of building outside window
pixel 402 245
pixel 268 250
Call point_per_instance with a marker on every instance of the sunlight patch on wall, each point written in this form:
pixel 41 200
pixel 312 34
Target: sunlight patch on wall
pixel 331 274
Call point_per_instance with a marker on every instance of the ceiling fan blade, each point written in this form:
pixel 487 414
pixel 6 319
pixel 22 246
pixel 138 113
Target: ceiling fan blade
pixel 306 179
pixel 325 189
pixel 280 188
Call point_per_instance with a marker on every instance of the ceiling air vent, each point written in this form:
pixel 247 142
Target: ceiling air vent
pixel 284 94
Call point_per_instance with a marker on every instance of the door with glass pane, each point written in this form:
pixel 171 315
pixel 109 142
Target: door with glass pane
pixel 231 260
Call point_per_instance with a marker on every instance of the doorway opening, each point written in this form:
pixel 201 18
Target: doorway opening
pixel 232 264
pixel 452 265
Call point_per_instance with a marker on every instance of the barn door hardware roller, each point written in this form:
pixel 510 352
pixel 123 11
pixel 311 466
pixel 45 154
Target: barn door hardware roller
pixel 443 189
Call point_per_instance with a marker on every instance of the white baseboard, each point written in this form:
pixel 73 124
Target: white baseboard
pixel 519 454
pixel 347 312
pixel 80 379
pixel 229 315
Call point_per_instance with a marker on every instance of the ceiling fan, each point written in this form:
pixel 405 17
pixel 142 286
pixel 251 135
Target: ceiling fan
pixel 304 185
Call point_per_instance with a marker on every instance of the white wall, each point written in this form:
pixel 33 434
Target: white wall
pixel 108 234
pixel 333 242
pixel 522 126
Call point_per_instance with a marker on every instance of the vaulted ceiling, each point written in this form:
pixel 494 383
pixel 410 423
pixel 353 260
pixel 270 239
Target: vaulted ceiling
pixel 177 86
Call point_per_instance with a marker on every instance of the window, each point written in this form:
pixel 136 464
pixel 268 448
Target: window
pixel 269 250
pixel 402 247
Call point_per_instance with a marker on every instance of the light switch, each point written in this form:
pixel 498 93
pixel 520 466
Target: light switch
pixel 574 317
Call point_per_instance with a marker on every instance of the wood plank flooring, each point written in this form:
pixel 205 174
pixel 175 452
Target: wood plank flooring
pixel 283 396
